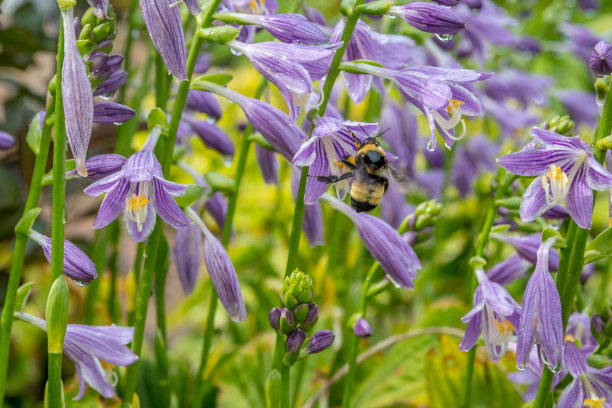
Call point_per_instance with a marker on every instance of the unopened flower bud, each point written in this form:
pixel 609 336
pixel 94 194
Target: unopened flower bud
pixel 274 316
pixel 101 166
pixel 362 328
pixel 57 315
pixel 300 313
pixel 311 317
pixel 601 59
pixel 320 341
pixel 295 339
pixel 297 288
pixel 287 321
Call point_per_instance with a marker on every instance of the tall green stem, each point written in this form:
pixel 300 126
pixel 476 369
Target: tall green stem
pixel 285 377
pixel 154 240
pixel 54 385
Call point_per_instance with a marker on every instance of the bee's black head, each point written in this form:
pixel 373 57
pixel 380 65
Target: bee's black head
pixel 373 156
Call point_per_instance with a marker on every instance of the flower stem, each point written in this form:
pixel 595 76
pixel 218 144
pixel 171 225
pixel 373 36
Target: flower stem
pixel 483 239
pixel 54 384
pixel 285 377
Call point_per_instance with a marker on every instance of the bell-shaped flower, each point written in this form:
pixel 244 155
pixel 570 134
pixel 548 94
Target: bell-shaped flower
pixel 221 271
pixel 187 256
pixel 396 257
pixel 268 164
pixel 580 105
pixel 291 67
pixel 77 97
pixel 495 314
pixel 540 322
pixel 566 173
pixel 579 328
pixel 428 17
pixel 77 265
pixel 163 21
pixel 87 345
pixel 531 375
pixel 527 248
pixel 211 135
pixel 204 102
pixel 509 270
pixel 331 140
pixel 591 387
pixel 140 191
pixel 287 27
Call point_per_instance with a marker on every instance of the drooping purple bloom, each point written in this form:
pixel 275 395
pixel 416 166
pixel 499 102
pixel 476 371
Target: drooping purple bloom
pixel 528 44
pixel 531 376
pixel 429 17
pixel 6 141
pixel 495 314
pixel 312 224
pixel 581 106
pixel 320 341
pixel 268 164
pixel 87 345
pixel 166 31
pixel 567 173
pixel 330 142
pixel 187 257
pixel 591 387
pixel 221 271
pixel 527 248
pixel 402 135
pixel 362 328
pixel 509 270
pixel 140 191
pixel 194 7
pixel 211 135
pixel 101 165
pixel 77 265
pixel 76 95
pixel 204 102
pixel 288 27
pixel 111 112
pixel 512 121
pixel 540 322
pixel 111 84
pixel 579 328
pixel 291 67
pixel 396 257
pixel 601 59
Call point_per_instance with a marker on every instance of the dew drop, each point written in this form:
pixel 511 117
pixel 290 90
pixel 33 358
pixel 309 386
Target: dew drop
pixel 227 160
pixel 81 283
pixel 107 96
pixel 430 146
pixel 449 147
pixel 445 37
pixel 521 366
pixel 113 378
pixel 391 16
pixel 235 52
pixel 118 123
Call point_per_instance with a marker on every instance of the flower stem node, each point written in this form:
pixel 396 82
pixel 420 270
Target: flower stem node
pixel 477 262
pixel 26 222
pixel 553 233
pixel 220 34
pixel 65 4
pixel 57 315
pixel 297 289
pixel 375 8
pixel 346 7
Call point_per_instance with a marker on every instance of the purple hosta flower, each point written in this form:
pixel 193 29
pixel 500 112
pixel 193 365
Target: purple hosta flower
pixel 395 256
pixel 579 327
pixel 77 265
pixel 252 6
pixel 540 322
pixel 472 159
pixel 591 387
pixel 221 271
pixel 429 17
pixel 586 273
pixel 288 27
pixel 532 375
pixel 314 15
pixel 140 191
pixel 166 31
pixel 320 341
pixel 581 106
pixel 524 87
pixel 101 165
pixel 100 8
pixel 111 112
pixel 438 92
pixel 391 51
pixel 581 40
pixel 76 95
pixel 329 143
pixel 6 141
pixel 567 173
pixel 187 257
pixel 87 345
pixel 268 164
pixel 204 102
pixel 194 7
pixel 291 67
pixel 527 247
pixel 528 44
pixel 211 135
pixel 509 270
pixel 362 328
pixel 274 125
pixel 312 224
pixel 111 84
pixel 495 314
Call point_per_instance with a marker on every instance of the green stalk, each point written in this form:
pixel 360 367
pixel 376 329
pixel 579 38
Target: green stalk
pixel 483 239
pixel 20 246
pixel 154 240
pixel 225 237
pixel 114 233
pixel 55 387
pixel 296 226
pixel 285 377
pixel 137 270
pixel 572 257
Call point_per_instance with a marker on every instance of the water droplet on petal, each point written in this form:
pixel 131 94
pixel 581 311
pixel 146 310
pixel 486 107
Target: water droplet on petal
pixel 118 123
pixel 521 366
pixel 445 37
pixel 81 283
pixel 107 96
pixel 233 51
pixel 430 146
pixel 227 160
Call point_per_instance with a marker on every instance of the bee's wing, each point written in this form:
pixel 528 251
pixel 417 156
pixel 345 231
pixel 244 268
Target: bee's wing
pixel 398 180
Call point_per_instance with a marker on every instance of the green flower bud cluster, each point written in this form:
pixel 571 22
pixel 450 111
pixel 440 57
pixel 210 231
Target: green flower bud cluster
pixel 419 225
pixel 560 124
pixel 96 34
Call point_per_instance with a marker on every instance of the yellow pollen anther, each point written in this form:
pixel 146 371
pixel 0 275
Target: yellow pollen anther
pixel 135 202
pixel 505 326
pixel 556 184
pixel 568 337
pixel 452 105
pixel 598 403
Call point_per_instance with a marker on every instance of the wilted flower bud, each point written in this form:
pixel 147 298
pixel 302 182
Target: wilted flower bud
pixel 311 317
pixel 295 339
pixel 320 341
pixel 274 316
pixel 362 328
pixel 287 321
pixel 601 59
pixel 297 289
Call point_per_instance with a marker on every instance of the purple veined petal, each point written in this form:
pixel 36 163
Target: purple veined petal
pixel 131 226
pixel 187 256
pixel 580 199
pixel 598 178
pixel 306 154
pixel 202 64
pixel 111 84
pixel 121 334
pixel 89 370
pixel 574 360
pixel 111 112
pixel 326 126
pixel 320 167
pixel 212 136
pixel 7 141
pixel 527 248
pixel 204 102
pixel 472 332
pixel 76 265
pixel 217 207
pixel 572 396
pixel 100 8
pixel 140 167
pixel 111 64
pixel 289 27
pixel 452 75
pixel 194 7
pixel 600 60
pixel 471 104
pixel 526 328
pixel 113 203
pixel 172 188
pixel 165 28
pixel 509 270
pixel 76 95
pixel 498 298
pixel 167 208
pixel 357 86
pixel 429 17
pixel 479 304
pixel 104 185
pixel 268 164
pixel 548 137
pixel 535 162
pixel 312 224
pixel 101 346
pixel 101 166
pixel 320 341
pixel 431 94
pixel 534 202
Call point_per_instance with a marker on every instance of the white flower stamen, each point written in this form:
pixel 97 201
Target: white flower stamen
pixel 137 206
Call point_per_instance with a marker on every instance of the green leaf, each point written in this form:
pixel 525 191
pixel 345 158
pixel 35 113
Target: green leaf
pixel 219 79
pixel 273 384
pixel 220 34
pixel 260 140
pixel 219 182
pixel 375 8
pixel 27 220
pixel 193 192
pixel 34 134
pixel 22 295
pixel 600 247
pixel 157 117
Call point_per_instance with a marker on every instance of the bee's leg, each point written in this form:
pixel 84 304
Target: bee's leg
pixel 347 161
pixel 333 179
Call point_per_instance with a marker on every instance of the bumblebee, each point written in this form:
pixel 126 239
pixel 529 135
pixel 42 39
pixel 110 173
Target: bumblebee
pixel 369 171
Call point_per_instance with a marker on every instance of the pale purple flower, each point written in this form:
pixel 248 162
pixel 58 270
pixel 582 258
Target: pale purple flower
pixel 531 375
pixel 288 27
pixel 330 142
pixel 402 135
pixel 204 102
pixel 540 322
pixel 471 160
pixel 252 6
pixel 567 173
pixel 579 327
pixel 512 121
pixel 429 17
pixel 581 40
pixel 396 257
pixel 526 88
pixel 101 165
pixel 100 8
pixel 6 141
pixel 312 224
pixel 527 248
pixel 140 191
pixel 495 314
pixel 87 345
pixel 509 270
pixel 111 84
pixel 320 341
pixel 76 95
pixel 187 251
pixel 194 7
pixel 111 112
pixel 268 164
pixel 362 328
pixel 163 21
pixel 77 265
pixel 580 105
pixel 591 387
pixel 211 135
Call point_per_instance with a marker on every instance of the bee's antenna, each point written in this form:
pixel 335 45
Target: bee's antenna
pixel 364 131
pixel 383 132
pixel 357 142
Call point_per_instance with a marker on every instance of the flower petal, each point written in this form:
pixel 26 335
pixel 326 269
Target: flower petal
pixel 534 202
pixel 113 203
pixel 167 208
pixel 580 199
